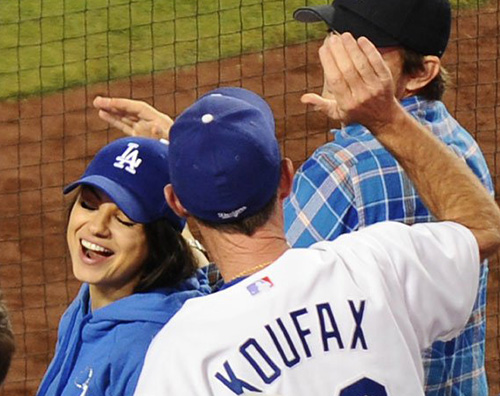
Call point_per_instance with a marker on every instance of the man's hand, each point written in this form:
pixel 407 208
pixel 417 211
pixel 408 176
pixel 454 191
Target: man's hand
pixel 134 117
pixel 358 84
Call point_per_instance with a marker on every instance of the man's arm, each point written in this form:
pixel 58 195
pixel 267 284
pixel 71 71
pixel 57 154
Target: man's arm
pixel 356 75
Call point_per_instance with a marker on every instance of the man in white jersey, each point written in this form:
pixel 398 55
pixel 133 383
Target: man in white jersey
pixel 342 318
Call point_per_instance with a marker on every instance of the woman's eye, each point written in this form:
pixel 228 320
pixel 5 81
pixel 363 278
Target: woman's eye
pixel 86 205
pixel 125 222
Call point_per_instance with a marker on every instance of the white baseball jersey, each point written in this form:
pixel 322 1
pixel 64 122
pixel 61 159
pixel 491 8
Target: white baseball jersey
pixel 342 318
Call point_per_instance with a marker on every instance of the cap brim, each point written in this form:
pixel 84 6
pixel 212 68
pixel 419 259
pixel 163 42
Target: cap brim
pixel 127 203
pixel 343 20
pixel 321 13
pixel 122 197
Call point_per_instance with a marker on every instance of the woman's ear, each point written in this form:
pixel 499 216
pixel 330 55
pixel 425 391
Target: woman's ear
pixel 422 77
pixel 173 201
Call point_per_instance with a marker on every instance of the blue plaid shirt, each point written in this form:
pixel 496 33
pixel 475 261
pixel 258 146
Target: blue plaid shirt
pixel 353 182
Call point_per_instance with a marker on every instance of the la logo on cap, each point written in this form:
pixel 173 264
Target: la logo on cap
pixel 129 159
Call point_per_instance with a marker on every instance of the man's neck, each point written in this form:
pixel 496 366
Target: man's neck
pixel 239 255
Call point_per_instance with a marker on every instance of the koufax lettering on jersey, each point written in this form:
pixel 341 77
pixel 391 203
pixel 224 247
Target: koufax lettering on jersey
pixel 256 358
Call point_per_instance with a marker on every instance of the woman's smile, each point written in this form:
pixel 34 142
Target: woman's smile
pixel 93 253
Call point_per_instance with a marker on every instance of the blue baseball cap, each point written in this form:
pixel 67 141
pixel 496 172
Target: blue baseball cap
pixel 225 162
pixel 133 172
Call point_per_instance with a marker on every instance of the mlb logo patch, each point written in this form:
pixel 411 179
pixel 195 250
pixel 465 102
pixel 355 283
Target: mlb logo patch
pixel 260 285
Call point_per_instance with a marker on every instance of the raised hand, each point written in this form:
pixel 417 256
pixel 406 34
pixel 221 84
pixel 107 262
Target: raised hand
pixel 358 84
pixel 133 117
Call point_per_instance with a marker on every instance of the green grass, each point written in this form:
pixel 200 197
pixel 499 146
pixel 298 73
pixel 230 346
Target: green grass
pixel 55 44
pixel 50 45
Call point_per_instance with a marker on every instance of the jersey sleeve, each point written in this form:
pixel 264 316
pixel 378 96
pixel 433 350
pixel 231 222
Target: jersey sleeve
pixel 152 380
pixel 433 267
pixel 169 365
pixel 322 203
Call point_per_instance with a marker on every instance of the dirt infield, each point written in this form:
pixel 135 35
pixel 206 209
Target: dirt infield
pixel 48 140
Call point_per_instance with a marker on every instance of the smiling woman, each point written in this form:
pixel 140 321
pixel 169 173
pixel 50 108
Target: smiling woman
pixel 137 270
pixel 107 249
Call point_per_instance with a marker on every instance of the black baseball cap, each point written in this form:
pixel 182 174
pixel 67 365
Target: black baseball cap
pixel 419 25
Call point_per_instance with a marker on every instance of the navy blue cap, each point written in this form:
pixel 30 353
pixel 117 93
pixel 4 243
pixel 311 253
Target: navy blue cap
pixel 133 172
pixel 420 25
pixel 225 162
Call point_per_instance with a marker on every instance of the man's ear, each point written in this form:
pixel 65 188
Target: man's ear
pixel 286 180
pixel 421 78
pixel 173 201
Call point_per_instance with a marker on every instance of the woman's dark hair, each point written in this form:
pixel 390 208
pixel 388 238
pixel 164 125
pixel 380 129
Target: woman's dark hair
pixel 413 62
pixel 246 226
pixel 170 259
pixel 7 345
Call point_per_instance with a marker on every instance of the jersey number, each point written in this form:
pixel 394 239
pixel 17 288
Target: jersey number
pixel 364 387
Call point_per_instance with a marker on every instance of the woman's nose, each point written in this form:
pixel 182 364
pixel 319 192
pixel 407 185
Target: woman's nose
pixel 99 223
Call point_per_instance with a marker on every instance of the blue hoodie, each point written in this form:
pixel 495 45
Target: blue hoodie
pixel 101 353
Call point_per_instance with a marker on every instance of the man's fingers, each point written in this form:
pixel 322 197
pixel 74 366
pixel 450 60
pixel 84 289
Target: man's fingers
pixel 327 106
pixel 100 102
pixel 326 58
pixel 344 64
pixel 312 99
pixel 335 83
pixel 160 132
pixel 112 105
pixel 373 56
pixel 116 123
pixel 125 107
pixel 362 70
pixel 128 121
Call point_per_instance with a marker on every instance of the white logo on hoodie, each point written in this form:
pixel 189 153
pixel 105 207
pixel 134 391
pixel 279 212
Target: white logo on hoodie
pixel 83 379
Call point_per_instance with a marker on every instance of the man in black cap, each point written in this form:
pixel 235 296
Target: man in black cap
pixel 353 182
